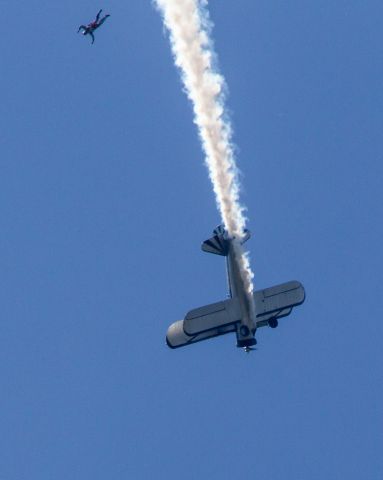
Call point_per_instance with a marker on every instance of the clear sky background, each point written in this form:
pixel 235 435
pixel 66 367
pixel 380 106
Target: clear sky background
pixel 104 201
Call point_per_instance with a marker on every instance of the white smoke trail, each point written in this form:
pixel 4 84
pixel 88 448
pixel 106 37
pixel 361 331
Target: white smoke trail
pixel 189 27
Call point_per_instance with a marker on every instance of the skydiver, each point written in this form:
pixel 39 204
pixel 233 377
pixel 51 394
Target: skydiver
pixel 89 29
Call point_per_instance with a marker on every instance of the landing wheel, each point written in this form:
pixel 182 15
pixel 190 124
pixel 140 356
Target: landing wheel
pixel 273 322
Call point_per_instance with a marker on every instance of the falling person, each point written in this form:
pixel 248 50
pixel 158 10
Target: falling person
pixel 89 29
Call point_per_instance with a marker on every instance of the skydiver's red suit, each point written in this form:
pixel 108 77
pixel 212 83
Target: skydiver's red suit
pixel 89 29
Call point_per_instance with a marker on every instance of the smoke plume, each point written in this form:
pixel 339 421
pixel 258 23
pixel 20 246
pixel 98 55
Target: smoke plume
pixel 189 27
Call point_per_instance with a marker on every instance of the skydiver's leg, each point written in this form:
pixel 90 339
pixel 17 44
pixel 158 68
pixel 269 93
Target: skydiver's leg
pixel 98 15
pixel 103 20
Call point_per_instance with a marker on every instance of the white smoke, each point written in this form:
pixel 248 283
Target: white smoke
pixel 189 27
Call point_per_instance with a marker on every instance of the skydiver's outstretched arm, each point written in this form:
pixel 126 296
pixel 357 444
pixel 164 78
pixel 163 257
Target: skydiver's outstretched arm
pixel 98 15
pixel 81 27
pixel 91 34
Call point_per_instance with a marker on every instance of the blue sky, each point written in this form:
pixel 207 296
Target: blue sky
pixel 104 201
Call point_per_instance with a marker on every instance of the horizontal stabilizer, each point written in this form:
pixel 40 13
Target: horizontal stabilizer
pixel 219 244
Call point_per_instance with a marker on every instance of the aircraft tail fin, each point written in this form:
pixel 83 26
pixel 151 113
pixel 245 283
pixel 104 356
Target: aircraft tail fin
pixel 219 243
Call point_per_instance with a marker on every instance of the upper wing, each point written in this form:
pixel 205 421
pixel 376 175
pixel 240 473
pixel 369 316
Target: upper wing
pixel 212 316
pixel 278 301
pixel 221 317
pixel 204 322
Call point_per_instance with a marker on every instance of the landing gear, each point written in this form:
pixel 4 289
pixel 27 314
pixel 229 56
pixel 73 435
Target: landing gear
pixel 273 323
